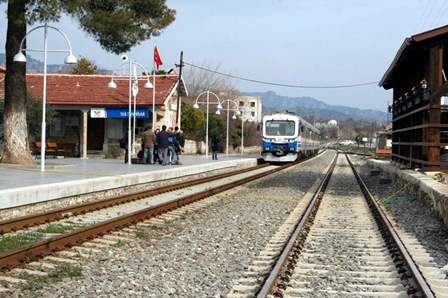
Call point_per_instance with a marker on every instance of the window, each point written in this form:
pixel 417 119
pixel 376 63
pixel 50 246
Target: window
pixel 241 103
pixel 114 128
pixel 252 104
pixel 252 114
pixel 57 128
pixel 280 128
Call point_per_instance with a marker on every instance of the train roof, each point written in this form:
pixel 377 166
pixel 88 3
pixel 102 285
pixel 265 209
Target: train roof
pixel 293 115
pixel 310 126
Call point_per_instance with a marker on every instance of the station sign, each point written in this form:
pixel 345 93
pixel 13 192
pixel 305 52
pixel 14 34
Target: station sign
pixel 122 113
pixel 98 113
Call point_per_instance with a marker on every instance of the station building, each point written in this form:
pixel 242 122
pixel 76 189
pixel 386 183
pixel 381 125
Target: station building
pixel 91 118
pixel 253 107
pixel 418 77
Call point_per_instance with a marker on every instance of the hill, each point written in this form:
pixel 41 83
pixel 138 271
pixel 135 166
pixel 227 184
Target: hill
pixel 311 108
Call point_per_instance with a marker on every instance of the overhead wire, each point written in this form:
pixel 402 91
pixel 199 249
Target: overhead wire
pixel 443 9
pixel 426 10
pixel 422 17
pixel 431 14
pixel 241 78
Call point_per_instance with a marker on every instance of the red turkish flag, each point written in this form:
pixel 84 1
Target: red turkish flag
pixel 157 59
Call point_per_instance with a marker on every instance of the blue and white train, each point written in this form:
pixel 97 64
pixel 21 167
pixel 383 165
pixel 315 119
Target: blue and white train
pixel 287 137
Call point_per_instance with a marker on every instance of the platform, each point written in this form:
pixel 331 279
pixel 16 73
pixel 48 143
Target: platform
pixel 20 185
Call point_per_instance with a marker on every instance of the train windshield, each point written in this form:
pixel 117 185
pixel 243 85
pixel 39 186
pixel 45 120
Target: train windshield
pixel 280 128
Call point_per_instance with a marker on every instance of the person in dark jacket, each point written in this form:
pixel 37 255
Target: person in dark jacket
pixel 162 143
pixel 180 143
pixel 172 146
pixel 124 145
pixel 157 159
pixel 215 147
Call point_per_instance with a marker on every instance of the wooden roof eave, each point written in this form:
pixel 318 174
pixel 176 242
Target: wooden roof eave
pixel 435 35
pixel 385 80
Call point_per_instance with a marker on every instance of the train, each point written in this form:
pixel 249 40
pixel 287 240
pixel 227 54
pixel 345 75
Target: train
pixel 287 138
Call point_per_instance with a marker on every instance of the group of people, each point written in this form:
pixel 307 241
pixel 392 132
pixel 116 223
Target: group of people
pixel 164 146
pixel 160 146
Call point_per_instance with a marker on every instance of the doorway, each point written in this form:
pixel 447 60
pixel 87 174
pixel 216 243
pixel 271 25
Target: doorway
pixel 95 133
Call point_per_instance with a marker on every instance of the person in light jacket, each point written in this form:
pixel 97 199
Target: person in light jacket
pixel 148 139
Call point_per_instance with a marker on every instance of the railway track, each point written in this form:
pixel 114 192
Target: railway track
pixel 117 219
pixel 341 245
pixel 18 223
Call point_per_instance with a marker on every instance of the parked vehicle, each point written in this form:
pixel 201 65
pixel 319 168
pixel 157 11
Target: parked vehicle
pixel 384 144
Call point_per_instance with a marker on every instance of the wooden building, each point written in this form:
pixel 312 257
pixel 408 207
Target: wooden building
pixel 419 114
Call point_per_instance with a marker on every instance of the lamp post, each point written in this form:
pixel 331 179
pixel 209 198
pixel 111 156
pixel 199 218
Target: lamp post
pixel 208 103
pixel 133 91
pixel 243 114
pixel 69 59
pixel 236 113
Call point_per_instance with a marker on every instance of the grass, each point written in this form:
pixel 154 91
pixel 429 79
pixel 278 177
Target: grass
pixel 61 272
pixel 66 271
pixel 142 234
pixel 56 229
pixel 389 201
pixel 10 243
pixel 14 242
pixel 120 243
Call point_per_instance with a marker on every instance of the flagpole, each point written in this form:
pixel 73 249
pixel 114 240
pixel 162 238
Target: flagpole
pixel 154 114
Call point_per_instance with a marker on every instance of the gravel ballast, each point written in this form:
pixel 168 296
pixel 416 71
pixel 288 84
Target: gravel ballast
pixel 199 255
pixel 409 211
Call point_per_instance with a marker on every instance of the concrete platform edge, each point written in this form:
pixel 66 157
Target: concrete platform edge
pixel 16 197
pixel 436 193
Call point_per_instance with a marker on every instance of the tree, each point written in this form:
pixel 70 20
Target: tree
pixel 33 116
pixel 235 135
pixel 216 127
pixel 192 122
pixel 84 67
pixel 117 25
pixel 200 80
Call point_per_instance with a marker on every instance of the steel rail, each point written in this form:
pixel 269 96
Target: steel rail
pixel 421 283
pixel 270 284
pixel 46 247
pixel 285 262
pixel 18 223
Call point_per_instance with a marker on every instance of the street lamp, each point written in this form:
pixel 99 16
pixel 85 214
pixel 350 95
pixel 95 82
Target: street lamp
pixel 21 58
pixel 236 112
pixel 133 91
pixel 243 114
pixel 208 103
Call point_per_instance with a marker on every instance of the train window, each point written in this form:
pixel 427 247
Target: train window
pixel 280 128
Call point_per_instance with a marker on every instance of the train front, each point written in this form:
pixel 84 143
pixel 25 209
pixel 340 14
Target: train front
pixel 281 139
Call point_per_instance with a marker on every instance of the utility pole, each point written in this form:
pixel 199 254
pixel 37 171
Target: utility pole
pixel 179 88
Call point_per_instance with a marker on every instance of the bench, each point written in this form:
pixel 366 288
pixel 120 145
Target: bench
pixel 52 148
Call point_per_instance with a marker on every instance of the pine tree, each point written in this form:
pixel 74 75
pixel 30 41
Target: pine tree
pixel 84 67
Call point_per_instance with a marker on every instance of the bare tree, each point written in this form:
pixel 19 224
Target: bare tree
pixel 199 80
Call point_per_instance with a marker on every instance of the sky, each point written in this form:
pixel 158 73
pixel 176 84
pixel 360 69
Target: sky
pixel 314 42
